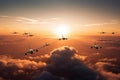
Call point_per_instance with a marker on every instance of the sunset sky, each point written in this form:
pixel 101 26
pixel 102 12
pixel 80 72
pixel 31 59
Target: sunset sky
pixel 44 16
pixel 30 48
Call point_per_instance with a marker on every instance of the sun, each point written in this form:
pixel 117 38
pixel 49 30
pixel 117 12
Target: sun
pixel 62 29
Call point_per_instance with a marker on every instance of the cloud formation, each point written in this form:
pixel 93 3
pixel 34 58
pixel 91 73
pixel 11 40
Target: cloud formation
pixel 112 22
pixel 110 71
pixel 107 64
pixel 62 65
pixel 36 21
pixel 28 20
pixel 18 69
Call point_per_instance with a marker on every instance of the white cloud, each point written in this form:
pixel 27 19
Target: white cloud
pixel 112 22
pixel 36 21
pixel 27 20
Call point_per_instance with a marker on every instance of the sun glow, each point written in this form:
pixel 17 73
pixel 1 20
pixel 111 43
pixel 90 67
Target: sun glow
pixel 62 29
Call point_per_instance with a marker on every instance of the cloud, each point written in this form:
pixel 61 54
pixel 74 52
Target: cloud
pixel 107 60
pixel 27 20
pixel 110 71
pixel 62 65
pixel 80 57
pixel 63 52
pixel 45 75
pixel 36 21
pixel 112 22
pixel 18 69
pixel 43 58
pixel 54 20
pixel 107 64
pixel 20 63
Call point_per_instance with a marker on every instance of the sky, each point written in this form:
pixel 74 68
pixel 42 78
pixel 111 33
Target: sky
pixel 44 16
pixel 73 56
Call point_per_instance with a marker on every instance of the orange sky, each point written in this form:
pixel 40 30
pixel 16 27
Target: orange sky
pixel 10 24
pixel 87 17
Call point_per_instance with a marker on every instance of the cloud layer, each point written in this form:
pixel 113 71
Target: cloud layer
pixel 62 63
pixel 18 69
pixel 107 64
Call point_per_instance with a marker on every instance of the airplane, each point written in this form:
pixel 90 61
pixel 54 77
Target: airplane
pixel 30 35
pixel 102 32
pixel 113 33
pixel 63 38
pixel 15 33
pixel 96 46
pixel 31 51
pixel 25 33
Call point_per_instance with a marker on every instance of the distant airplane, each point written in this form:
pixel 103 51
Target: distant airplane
pixel 28 34
pixel 102 32
pixel 96 46
pixel 113 33
pixel 63 38
pixel 15 33
pixel 31 51
pixel 25 33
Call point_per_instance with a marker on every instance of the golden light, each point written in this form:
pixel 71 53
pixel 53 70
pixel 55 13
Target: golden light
pixel 62 29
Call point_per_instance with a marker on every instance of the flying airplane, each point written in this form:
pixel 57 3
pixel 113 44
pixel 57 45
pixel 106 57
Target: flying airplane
pixel 96 46
pixel 15 33
pixel 102 32
pixel 113 33
pixel 25 33
pixel 30 35
pixel 63 38
pixel 31 51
